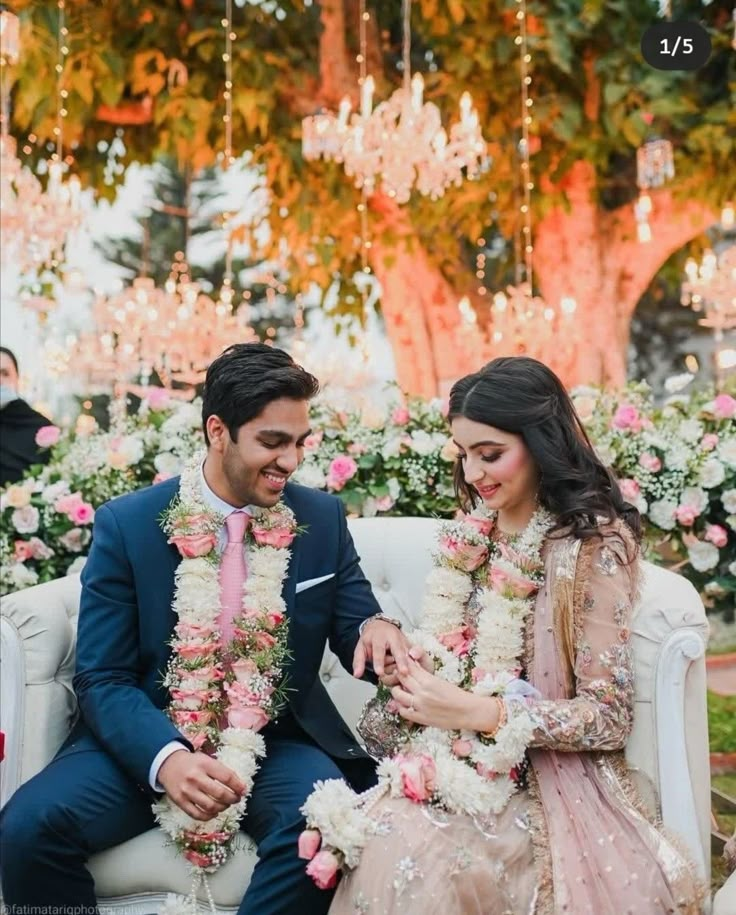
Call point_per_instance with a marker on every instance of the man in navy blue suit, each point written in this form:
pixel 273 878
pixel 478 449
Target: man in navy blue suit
pixel 97 792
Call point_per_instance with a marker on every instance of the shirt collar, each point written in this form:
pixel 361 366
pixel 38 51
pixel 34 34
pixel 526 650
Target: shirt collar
pixel 213 501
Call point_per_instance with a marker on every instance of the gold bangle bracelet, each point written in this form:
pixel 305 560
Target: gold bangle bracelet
pixel 502 719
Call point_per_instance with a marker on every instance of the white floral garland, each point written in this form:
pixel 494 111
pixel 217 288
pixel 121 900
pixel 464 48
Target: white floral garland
pixel 210 684
pixel 459 771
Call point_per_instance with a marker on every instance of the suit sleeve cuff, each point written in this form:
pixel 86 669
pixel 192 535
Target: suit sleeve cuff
pixel 159 759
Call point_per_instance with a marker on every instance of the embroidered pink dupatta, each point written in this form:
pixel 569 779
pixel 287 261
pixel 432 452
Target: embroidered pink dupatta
pixel 605 856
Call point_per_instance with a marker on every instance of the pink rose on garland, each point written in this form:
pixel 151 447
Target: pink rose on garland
pixel 244 669
pixel 251 717
pixel 484 526
pixel 627 417
pixel 277 537
pixel 191 546
pixel 461 748
pixel 341 470
pixel 197 858
pixel 198 718
pixel 194 630
pixel 309 843
pixel 724 406
pixel 47 436
pixel 510 584
pixel 81 514
pixel 196 648
pixel 458 641
pixel 417 776
pixel 717 535
pixel 461 553
pixel 323 869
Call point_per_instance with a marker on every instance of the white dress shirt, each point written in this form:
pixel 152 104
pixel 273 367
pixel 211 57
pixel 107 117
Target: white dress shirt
pixel 214 502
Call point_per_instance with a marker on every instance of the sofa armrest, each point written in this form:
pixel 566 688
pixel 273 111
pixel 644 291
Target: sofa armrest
pixel 12 709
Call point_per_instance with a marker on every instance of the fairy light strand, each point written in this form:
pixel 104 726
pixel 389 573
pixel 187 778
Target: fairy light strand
pixel 62 93
pixel 227 57
pixel 527 185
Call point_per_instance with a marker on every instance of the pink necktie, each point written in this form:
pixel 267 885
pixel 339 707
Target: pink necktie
pixel 232 574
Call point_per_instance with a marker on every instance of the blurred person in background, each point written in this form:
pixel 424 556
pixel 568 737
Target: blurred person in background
pixel 19 425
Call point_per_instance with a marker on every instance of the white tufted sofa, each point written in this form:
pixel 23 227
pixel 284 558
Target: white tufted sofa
pixel 669 743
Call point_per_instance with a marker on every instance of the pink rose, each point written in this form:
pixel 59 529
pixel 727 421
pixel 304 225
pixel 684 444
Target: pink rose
pixel 210 673
pixel 484 526
pixel 199 695
pixel 66 504
pixel 158 398
pixel 251 717
pixel 461 748
pixel 198 718
pixel 341 470
pixel 485 772
pixel 161 476
pixel 510 584
pixel 309 843
pixel 467 556
pixel 627 417
pixel 630 489
pixel 48 436
pixel 400 416
pixel 724 406
pixel 197 648
pixel 357 448
pixel 313 441
pixel 708 441
pixel 477 674
pixel 197 858
pixel 417 776
pixel 717 535
pixel 198 740
pixel 686 515
pixel 193 545
pixel 277 537
pixel 323 869
pixel 263 640
pixel 458 641
pixel 244 669
pixel 275 618
pixel 22 551
pixel 83 513
pixel 194 631
pixel 650 462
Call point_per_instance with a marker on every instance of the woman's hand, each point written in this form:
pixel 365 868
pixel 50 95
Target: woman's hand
pixel 390 673
pixel 424 698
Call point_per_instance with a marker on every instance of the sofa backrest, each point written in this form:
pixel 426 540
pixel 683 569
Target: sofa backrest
pixel 669 740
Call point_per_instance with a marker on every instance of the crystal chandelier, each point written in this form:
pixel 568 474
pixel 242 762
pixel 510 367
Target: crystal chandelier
pixel 710 289
pixel 401 144
pixel 34 224
pixel 174 333
pixel 655 165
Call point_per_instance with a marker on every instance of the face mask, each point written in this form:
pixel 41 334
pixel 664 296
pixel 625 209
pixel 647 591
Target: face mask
pixel 7 394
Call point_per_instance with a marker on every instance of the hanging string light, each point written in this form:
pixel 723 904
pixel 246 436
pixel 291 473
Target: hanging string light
pixel 400 145
pixel 655 165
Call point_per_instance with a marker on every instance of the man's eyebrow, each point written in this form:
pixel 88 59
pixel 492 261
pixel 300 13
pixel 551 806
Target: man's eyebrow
pixel 281 435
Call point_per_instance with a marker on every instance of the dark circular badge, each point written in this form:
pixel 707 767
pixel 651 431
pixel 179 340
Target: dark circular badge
pixel 681 45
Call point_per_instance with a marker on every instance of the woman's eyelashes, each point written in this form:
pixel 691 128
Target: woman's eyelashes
pixel 488 458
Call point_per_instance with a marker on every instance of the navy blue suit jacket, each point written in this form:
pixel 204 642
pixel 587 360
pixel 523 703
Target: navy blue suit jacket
pixel 126 621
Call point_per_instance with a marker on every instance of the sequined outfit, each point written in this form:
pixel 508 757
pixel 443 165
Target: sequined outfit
pixel 576 840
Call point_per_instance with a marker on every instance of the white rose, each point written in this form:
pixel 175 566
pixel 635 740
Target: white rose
pixel 74 540
pixel 310 475
pixel 728 498
pixel 55 491
pixel 166 462
pixel 392 447
pixel 25 520
pixel 694 497
pixel 731 522
pixel 690 430
pixel 369 508
pixel 17 496
pixel 394 488
pixel 712 473
pixel 703 556
pixel 732 568
pixel 662 513
pixel 423 443
pixel 131 448
pixel 677 457
pixel 727 451
pixel 21 576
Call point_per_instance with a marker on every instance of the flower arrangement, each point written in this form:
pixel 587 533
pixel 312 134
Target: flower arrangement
pixel 455 771
pixel 676 463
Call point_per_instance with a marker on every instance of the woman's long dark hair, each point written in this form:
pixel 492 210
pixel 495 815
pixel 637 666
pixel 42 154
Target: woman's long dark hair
pixel 522 396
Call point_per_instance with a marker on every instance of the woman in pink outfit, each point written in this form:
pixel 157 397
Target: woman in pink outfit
pixel 573 836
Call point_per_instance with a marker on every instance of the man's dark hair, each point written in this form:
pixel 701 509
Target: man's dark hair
pixel 11 355
pixel 245 378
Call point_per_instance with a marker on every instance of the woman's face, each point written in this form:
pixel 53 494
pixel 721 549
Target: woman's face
pixel 497 464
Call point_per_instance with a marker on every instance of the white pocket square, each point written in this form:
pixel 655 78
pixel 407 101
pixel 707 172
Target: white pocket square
pixel 311 582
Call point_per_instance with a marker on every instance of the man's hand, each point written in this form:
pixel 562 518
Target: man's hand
pixel 378 642
pixel 390 671
pixel 198 784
